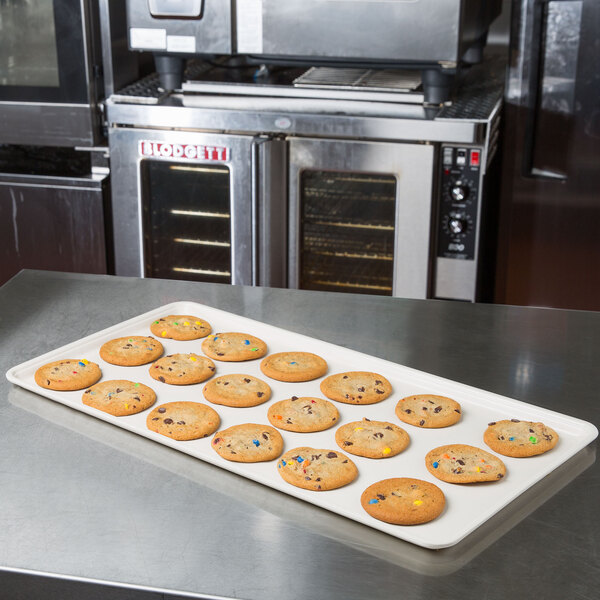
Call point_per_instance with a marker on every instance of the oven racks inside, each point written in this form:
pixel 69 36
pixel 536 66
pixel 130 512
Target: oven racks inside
pixel 348 232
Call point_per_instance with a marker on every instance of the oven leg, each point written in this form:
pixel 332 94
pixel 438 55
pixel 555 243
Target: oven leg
pixel 437 85
pixel 474 55
pixel 170 71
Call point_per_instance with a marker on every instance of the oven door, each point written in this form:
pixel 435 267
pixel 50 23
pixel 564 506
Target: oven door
pixel 186 206
pixel 47 81
pixel 360 216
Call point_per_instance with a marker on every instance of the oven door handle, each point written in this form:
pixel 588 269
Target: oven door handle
pixel 255 183
pixel 269 211
pixel 549 19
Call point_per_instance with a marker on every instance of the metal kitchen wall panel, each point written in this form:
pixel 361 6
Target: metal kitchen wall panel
pixel 53 223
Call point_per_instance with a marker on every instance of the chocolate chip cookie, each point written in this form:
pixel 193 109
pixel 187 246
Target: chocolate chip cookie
pixel 403 501
pixel 234 347
pixel 131 351
pixel 119 397
pixel 183 420
pixel 372 439
pixel 317 470
pixel 460 463
pixel 180 327
pixel 249 442
pixel 68 374
pixel 304 415
pixel 428 411
pixel 356 387
pixel 182 369
pixel 519 439
pixel 237 390
pixel 293 366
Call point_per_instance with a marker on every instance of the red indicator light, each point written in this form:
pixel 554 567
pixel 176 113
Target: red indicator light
pixel 446 171
pixel 475 154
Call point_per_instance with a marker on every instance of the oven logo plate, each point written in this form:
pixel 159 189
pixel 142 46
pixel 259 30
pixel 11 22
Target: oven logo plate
pixel 151 149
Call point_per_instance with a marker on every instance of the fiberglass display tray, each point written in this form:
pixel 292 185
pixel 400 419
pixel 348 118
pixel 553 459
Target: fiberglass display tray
pixel 467 505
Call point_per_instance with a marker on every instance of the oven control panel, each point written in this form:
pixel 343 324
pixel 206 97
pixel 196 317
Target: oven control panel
pixel 457 223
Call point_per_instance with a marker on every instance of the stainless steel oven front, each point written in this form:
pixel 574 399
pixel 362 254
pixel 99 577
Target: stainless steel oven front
pixel 399 219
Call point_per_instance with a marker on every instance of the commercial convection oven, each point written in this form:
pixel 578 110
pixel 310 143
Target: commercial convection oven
pixel 297 178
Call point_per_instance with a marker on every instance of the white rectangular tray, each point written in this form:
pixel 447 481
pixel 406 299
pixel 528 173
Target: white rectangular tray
pixel 467 506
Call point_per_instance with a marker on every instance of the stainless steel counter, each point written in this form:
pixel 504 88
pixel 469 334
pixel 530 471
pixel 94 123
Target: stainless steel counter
pixel 83 502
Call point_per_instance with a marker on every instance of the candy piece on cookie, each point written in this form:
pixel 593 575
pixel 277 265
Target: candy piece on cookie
pixel 293 366
pixel 183 420
pixel 234 347
pixel 180 327
pixel 182 369
pixel 119 397
pixel 372 439
pixel 428 411
pixel 249 442
pixel 316 469
pixel 460 463
pixel 356 387
pixel 519 439
pixel 403 501
pixel 237 390
pixel 131 351
pixel 303 414
pixel 68 374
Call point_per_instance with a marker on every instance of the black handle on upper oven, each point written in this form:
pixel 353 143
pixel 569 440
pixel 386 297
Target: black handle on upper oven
pixel 534 54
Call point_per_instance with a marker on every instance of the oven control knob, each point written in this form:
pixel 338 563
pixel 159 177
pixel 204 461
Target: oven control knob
pixel 458 224
pixel 459 191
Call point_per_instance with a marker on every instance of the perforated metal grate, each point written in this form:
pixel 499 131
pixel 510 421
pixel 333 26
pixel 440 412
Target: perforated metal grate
pixel 480 91
pixel 388 80
pixel 148 89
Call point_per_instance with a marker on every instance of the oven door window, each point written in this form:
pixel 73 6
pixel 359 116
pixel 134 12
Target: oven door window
pixel 187 221
pixel 347 231
pixel 42 52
